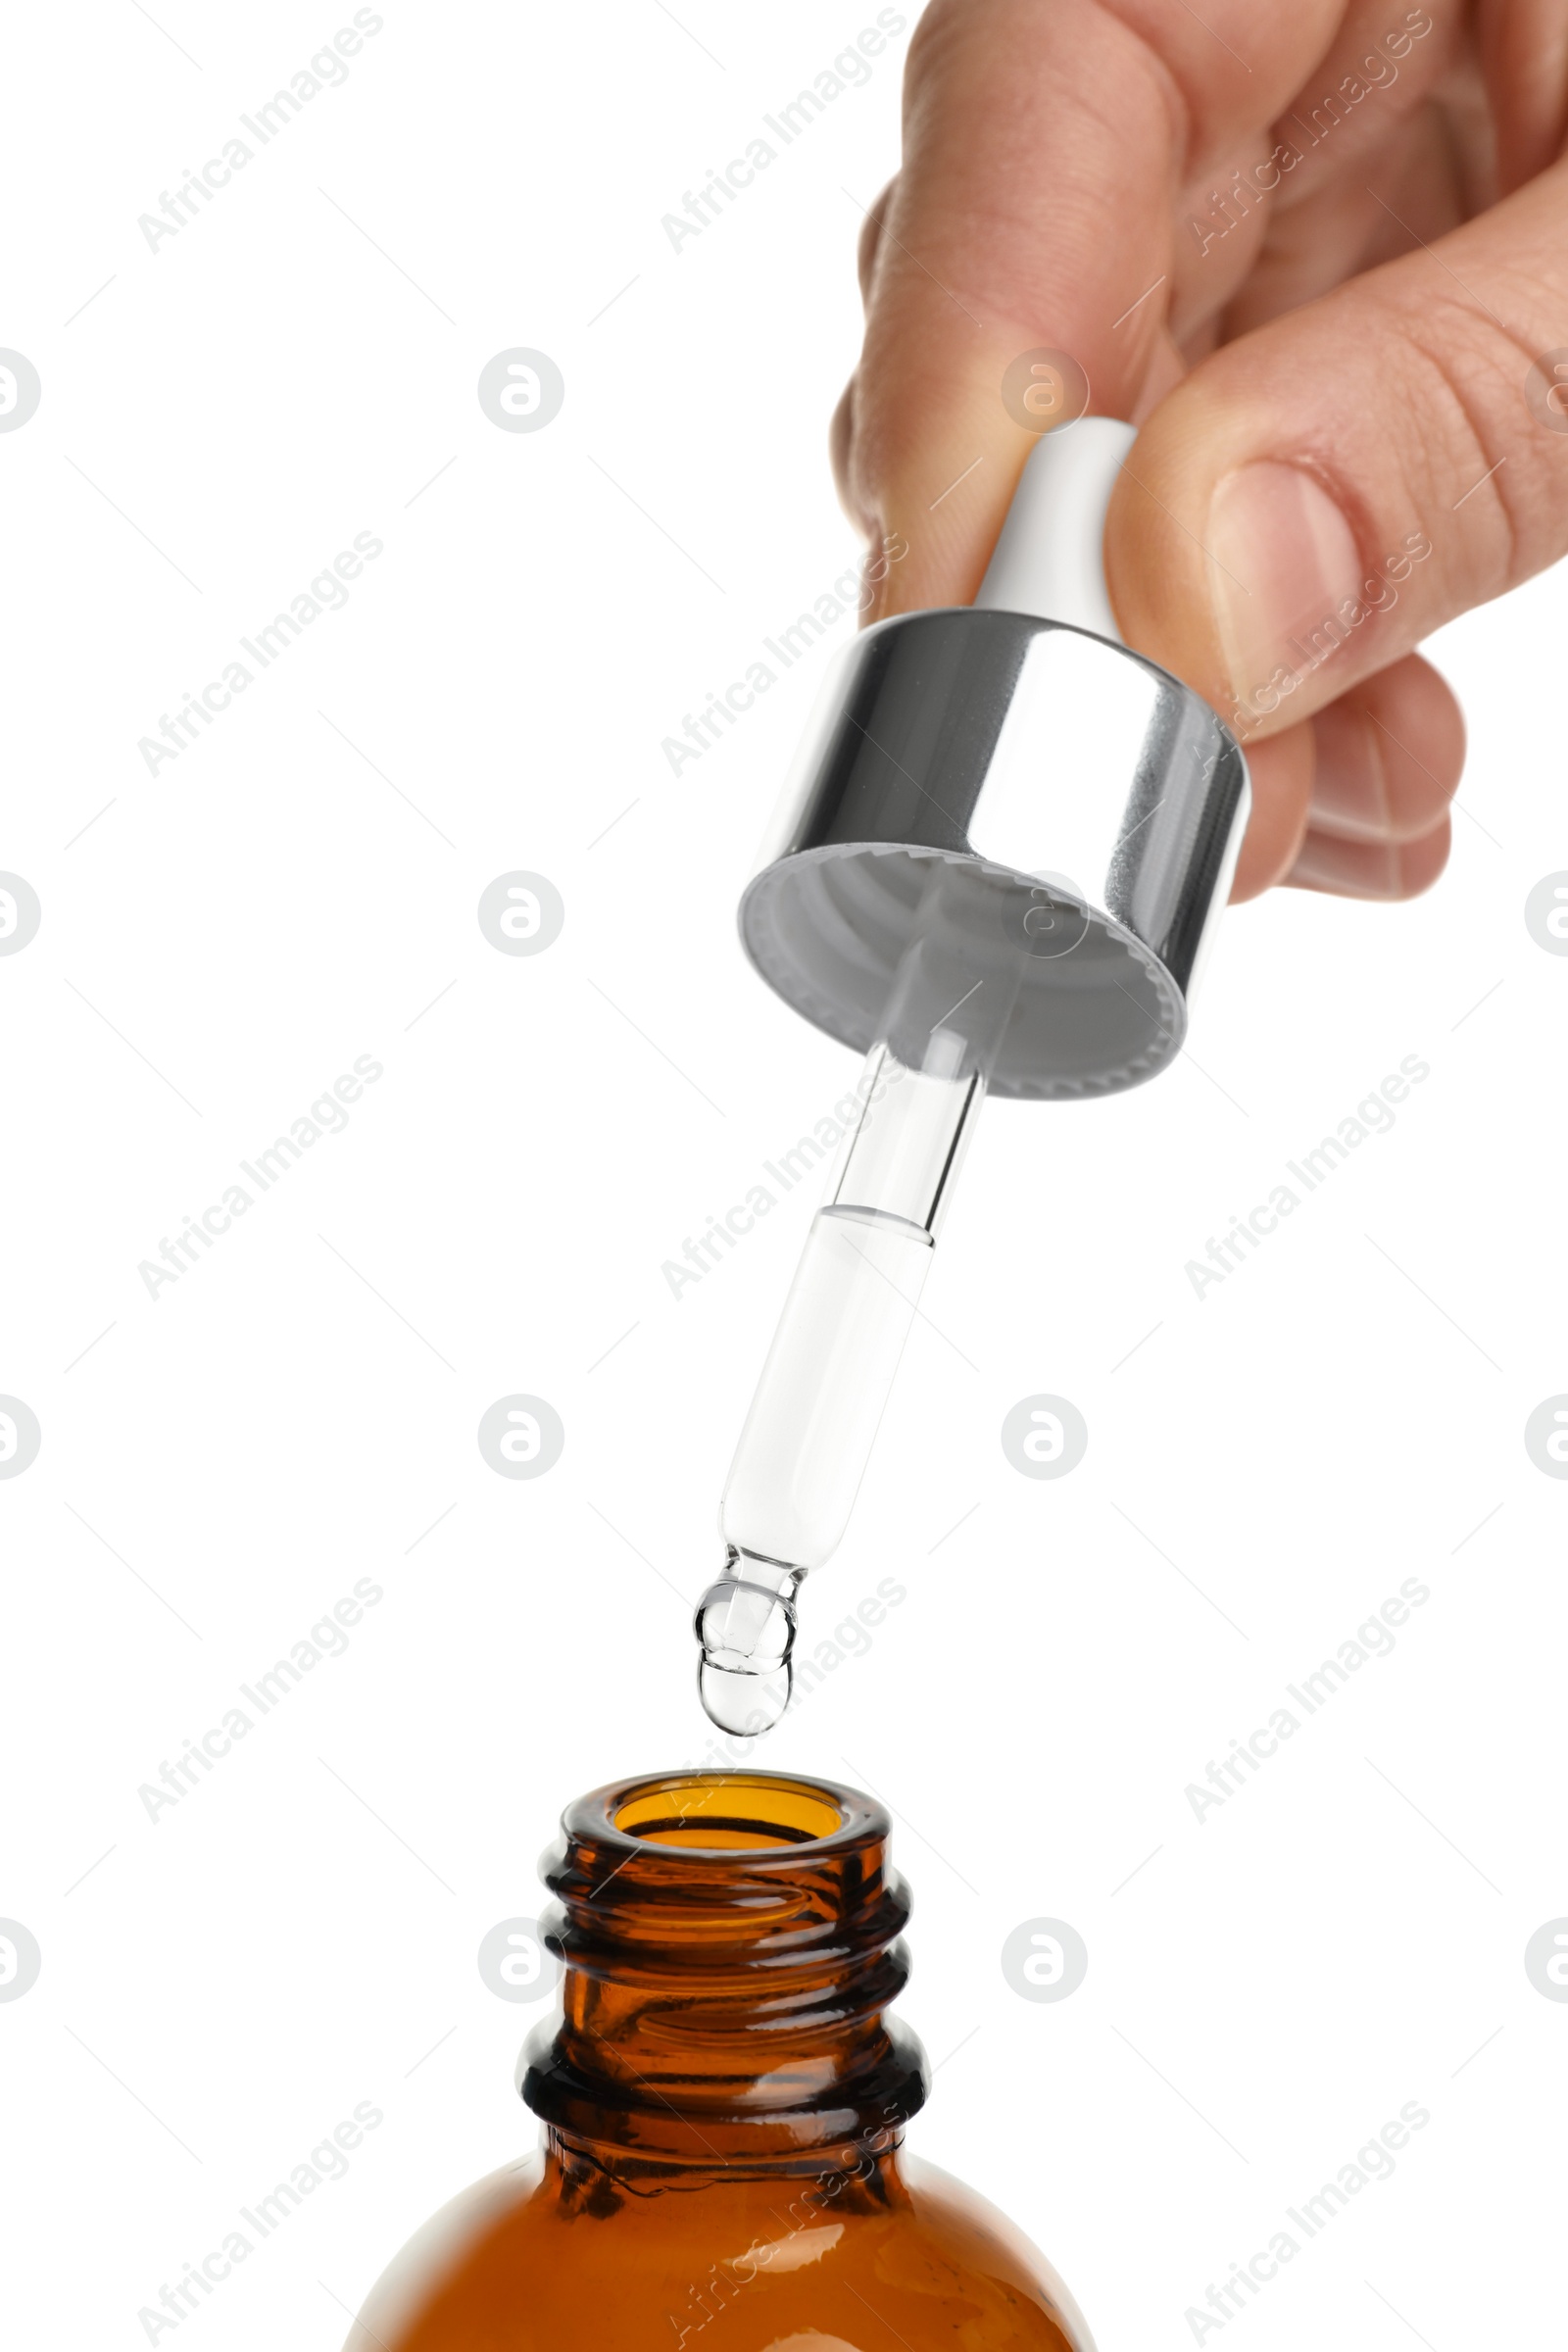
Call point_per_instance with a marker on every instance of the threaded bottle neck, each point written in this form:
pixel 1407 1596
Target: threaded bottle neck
pixel 731 1942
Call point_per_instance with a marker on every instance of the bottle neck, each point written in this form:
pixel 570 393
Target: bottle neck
pixel 731 1944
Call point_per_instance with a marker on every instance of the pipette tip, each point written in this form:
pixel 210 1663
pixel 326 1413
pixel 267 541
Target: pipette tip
pixel 745 1626
pixel 740 1702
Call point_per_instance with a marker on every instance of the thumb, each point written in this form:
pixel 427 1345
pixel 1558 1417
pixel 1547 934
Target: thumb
pixel 1318 496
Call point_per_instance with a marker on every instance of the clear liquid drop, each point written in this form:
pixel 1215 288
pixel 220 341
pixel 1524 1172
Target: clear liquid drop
pixel 745 1624
pixel 741 1702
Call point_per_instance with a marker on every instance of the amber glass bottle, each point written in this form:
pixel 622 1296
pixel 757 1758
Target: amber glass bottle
pixel 723 2100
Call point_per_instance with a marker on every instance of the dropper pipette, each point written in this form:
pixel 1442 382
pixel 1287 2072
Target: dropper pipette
pixel 813 1420
pixel 988 752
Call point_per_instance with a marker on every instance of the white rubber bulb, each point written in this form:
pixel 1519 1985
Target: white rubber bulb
pixel 1049 560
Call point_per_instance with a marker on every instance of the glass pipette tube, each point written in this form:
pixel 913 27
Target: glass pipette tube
pixel 813 1420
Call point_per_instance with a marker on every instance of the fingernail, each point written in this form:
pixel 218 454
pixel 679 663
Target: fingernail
pixel 1349 870
pixel 1350 782
pixel 1283 560
pixel 1364 869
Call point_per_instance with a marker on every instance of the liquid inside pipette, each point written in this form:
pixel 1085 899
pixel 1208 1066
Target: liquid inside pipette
pixel 813 1420
pixel 804 1450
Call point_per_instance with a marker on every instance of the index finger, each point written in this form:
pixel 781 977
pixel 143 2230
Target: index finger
pixel 1043 146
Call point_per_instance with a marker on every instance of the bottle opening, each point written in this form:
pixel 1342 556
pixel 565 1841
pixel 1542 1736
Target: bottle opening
pixel 729 1812
pixel 732 1943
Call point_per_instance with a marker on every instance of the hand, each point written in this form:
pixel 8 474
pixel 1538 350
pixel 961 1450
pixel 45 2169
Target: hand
pixel 1318 253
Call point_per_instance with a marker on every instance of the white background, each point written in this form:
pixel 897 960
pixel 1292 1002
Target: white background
pixel 299 1934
